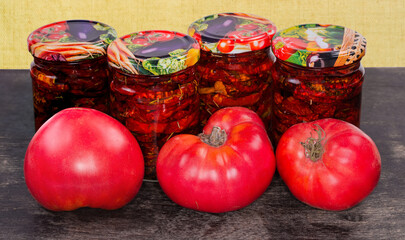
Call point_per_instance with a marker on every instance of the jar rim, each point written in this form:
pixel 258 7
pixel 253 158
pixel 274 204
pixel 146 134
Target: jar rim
pixel 354 64
pixel 237 55
pixel 151 78
pixel 71 63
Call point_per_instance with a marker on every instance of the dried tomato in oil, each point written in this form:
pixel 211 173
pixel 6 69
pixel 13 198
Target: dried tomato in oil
pixel 70 67
pixel 235 63
pixel 153 88
pixel 59 85
pixel 248 86
pixel 317 74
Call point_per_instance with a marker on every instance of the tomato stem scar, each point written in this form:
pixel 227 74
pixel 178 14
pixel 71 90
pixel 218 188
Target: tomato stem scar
pixel 313 146
pixel 217 137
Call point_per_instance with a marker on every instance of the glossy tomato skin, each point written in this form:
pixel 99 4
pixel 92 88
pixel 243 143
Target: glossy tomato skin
pixel 226 45
pixel 83 158
pixel 285 47
pixel 346 173
pixel 222 178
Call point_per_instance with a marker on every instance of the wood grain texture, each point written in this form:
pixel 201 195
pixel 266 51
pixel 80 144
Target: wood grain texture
pixel 151 215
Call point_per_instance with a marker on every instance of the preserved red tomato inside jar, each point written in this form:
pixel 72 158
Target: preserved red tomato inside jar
pixel 317 74
pixel 153 89
pixel 235 63
pixel 70 67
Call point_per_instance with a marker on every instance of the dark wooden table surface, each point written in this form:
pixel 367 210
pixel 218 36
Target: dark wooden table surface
pixel 151 215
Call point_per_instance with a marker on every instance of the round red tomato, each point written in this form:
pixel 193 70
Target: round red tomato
pixel 57 36
pixel 225 168
pixel 59 27
pixel 283 48
pixel 54 29
pixel 197 37
pixel 83 158
pixel 250 26
pixel 258 44
pixel 226 45
pixel 161 36
pixel 140 41
pixel 328 164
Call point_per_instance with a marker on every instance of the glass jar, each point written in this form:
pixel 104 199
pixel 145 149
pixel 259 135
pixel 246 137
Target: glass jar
pixel 317 74
pixel 235 63
pixel 153 89
pixel 70 67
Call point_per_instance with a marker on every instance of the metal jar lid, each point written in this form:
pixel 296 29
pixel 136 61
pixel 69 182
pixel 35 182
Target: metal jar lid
pixel 154 52
pixel 319 45
pixel 71 40
pixel 231 33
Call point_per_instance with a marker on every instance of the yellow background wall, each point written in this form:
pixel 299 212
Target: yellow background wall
pixel 381 22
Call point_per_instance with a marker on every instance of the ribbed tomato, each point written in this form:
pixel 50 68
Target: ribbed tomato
pixel 225 168
pixel 328 164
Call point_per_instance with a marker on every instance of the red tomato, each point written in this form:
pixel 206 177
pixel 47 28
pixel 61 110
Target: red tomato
pixel 161 36
pixel 197 37
pixel 224 169
pixel 250 26
pixel 83 158
pixel 226 45
pixel 258 44
pixel 240 37
pixel 59 27
pixel 34 38
pixel 54 28
pixel 140 41
pixel 283 48
pixel 328 164
pixel 57 36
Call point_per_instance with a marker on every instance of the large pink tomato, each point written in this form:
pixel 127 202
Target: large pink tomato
pixel 328 164
pixel 83 158
pixel 225 168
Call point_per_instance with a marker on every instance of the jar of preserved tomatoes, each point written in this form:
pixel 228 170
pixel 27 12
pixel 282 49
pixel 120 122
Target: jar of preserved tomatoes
pixel 317 74
pixel 70 66
pixel 235 63
pixel 154 88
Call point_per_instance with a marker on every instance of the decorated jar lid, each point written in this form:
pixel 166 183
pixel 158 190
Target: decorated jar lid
pixel 153 52
pixel 72 40
pixel 317 45
pixel 232 33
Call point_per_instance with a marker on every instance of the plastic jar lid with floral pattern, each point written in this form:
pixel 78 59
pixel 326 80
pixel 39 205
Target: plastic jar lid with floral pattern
pixel 232 33
pixel 153 52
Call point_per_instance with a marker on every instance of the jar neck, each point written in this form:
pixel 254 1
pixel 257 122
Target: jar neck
pixel 291 67
pixel 83 64
pixel 150 79
pixel 260 52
